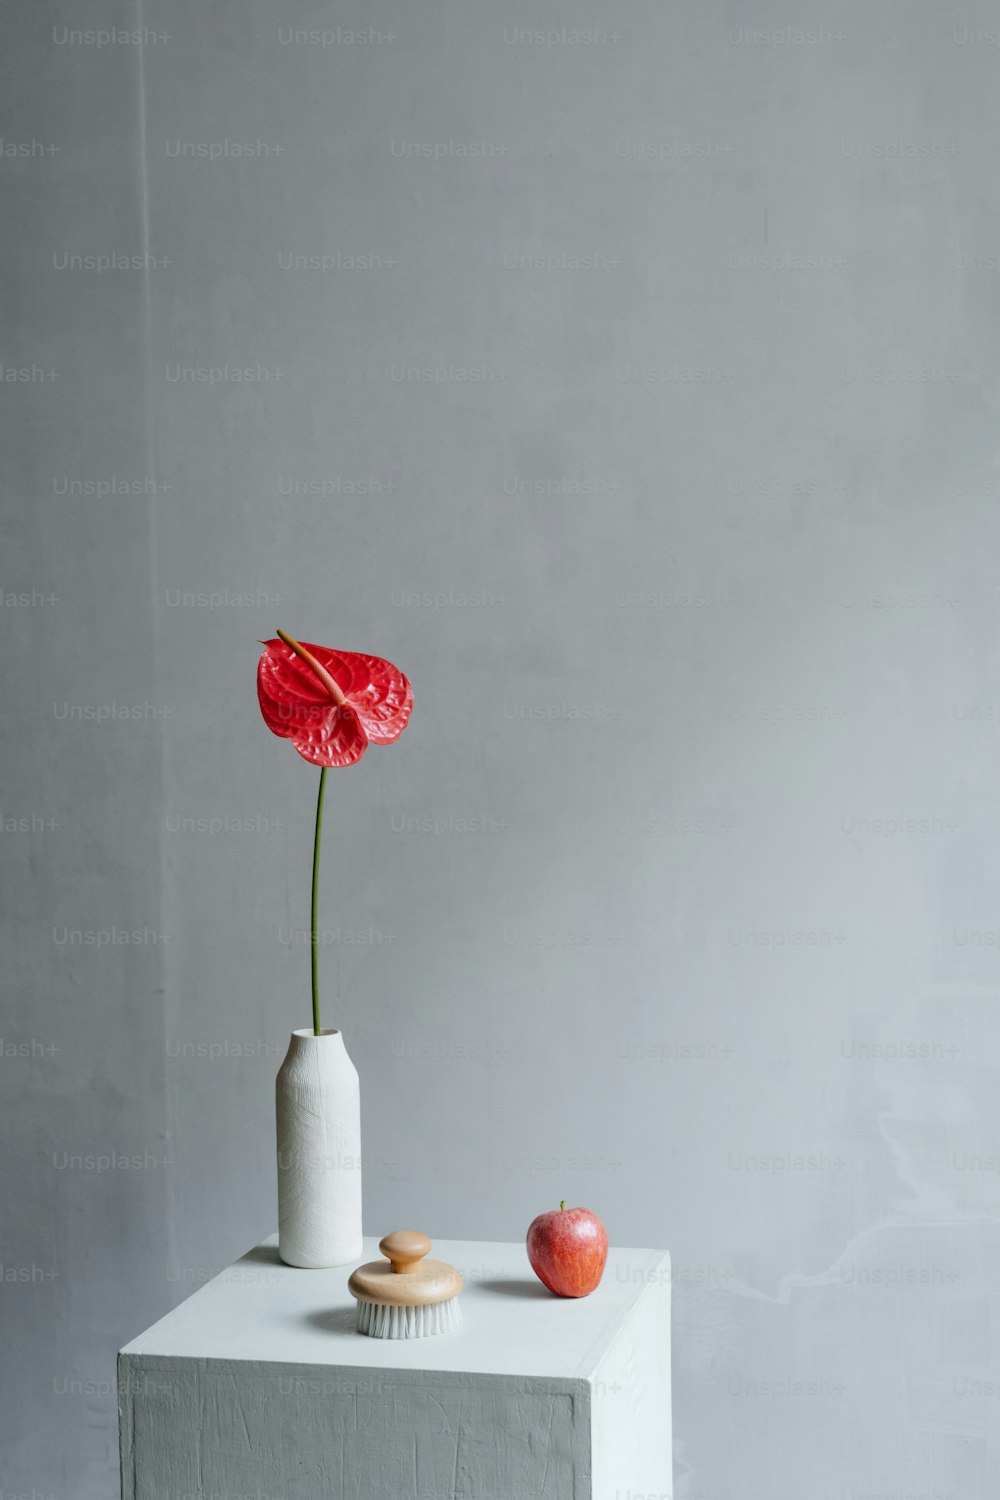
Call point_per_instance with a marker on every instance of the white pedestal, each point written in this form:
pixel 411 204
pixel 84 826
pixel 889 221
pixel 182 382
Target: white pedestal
pixel 257 1388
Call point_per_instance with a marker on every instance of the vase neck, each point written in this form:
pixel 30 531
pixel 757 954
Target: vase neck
pixel 305 1040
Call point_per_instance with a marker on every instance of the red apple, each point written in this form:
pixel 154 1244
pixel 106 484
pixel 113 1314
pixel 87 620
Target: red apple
pixel 568 1250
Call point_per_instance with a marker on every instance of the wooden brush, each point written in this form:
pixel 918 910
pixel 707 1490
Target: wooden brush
pixel 405 1296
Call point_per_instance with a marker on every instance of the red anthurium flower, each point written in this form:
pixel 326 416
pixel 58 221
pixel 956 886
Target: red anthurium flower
pixel 331 704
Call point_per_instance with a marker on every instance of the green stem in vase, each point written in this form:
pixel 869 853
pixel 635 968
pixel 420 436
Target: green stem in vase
pixel 315 895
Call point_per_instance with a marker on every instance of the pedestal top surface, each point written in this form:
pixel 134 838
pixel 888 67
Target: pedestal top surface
pixel 264 1311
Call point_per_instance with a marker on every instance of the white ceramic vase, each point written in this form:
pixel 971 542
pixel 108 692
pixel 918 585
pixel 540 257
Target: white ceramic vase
pixel 318 1111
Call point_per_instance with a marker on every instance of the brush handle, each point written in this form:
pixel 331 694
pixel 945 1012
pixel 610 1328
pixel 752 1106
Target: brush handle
pixel 405 1278
pixel 405 1248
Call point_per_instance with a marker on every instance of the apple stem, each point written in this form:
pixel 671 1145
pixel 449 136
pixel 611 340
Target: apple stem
pixel 562 1205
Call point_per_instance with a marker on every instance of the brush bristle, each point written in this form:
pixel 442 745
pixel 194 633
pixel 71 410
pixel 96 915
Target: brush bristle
pixel 381 1322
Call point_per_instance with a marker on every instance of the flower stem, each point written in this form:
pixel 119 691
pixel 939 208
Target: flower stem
pixel 315 894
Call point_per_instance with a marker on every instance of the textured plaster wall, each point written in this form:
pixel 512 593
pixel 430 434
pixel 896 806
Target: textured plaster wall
pixel 630 376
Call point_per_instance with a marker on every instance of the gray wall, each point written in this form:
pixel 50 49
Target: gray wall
pixel 679 896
